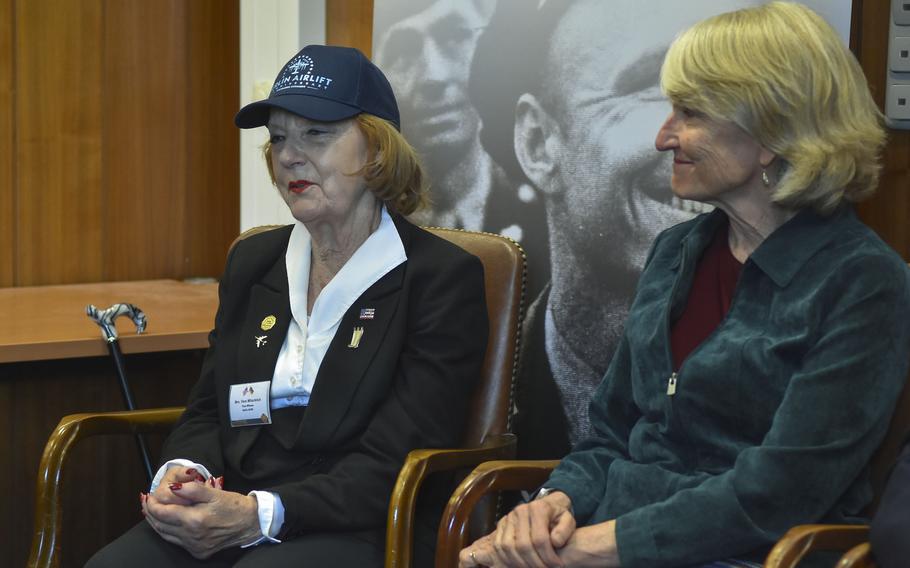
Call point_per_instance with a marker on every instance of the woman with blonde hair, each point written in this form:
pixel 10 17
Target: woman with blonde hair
pixel 767 342
pixel 341 342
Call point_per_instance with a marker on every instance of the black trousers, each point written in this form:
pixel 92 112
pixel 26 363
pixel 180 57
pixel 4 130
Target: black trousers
pixel 141 547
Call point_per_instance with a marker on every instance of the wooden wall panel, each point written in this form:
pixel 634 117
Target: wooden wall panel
pixel 888 212
pixel 118 155
pixel 58 141
pixel 350 23
pixel 145 134
pixel 7 147
pixel 213 145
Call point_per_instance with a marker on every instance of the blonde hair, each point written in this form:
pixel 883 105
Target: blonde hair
pixel 783 75
pixel 393 171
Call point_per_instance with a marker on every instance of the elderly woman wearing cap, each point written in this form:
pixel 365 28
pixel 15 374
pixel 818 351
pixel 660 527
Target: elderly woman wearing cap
pixel 767 342
pixel 341 342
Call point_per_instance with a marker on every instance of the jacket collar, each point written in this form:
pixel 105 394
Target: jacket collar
pixel 785 251
pixel 379 254
pixel 790 247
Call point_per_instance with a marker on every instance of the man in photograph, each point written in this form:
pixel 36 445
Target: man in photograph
pixel 427 57
pixel 582 106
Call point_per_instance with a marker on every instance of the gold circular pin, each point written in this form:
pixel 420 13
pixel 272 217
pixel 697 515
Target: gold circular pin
pixel 268 323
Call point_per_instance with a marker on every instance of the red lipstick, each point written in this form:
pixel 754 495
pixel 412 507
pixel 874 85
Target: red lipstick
pixel 299 186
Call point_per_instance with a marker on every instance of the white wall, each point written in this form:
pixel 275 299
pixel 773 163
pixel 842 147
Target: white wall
pixel 271 31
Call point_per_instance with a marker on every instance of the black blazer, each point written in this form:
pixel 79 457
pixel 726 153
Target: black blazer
pixel 406 386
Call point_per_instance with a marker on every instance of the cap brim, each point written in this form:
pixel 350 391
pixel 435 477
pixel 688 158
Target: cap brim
pixel 256 114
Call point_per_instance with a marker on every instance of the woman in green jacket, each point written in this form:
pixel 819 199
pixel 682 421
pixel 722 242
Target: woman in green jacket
pixel 767 342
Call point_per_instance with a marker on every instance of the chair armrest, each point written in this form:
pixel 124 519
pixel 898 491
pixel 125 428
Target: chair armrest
pixel 803 539
pixel 69 431
pixel 860 556
pixel 419 464
pixel 486 478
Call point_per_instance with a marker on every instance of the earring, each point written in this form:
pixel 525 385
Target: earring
pixel 764 178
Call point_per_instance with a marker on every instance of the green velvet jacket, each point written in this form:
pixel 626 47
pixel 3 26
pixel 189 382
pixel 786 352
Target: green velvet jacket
pixel 774 416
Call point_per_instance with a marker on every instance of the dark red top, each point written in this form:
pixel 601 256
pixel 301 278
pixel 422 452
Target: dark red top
pixel 709 299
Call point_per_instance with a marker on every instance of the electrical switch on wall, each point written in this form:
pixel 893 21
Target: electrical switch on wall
pixel 897 86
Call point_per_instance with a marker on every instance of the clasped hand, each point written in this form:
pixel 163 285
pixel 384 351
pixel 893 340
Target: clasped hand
pixel 542 534
pixel 199 515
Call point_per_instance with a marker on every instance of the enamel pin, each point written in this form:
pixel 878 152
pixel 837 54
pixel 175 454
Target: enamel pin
pixel 268 322
pixel 367 313
pixel 261 340
pixel 355 338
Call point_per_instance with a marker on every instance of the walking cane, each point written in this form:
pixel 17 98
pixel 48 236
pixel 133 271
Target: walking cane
pixel 105 320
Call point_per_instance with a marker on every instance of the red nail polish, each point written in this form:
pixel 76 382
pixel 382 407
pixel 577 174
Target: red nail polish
pixel 211 482
pixel 176 486
pixel 192 472
pixel 219 482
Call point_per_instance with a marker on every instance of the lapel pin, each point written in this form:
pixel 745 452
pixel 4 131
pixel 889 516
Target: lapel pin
pixel 268 322
pixel 367 313
pixel 355 338
pixel 261 340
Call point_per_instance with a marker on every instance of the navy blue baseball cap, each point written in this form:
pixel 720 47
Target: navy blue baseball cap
pixel 326 83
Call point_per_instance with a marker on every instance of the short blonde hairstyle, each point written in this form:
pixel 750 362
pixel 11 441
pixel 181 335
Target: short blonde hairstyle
pixel 783 75
pixel 393 171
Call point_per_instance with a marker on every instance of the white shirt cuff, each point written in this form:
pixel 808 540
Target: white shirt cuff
pixel 203 471
pixel 271 516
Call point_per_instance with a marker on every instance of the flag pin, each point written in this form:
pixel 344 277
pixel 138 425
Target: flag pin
pixel 367 313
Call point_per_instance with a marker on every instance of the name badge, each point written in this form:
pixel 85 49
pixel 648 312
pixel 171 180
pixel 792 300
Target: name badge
pixel 249 404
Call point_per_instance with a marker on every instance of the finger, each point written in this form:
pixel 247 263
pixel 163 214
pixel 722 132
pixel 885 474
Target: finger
pixel 161 527
pixel 540 535
pixel 505 541
pixel 480 553
pixel 524 545
pixel 499 552
pixel 174 516
pixel 192 474
pixel 178 473
pixel 465 560
pixel 562 530
pixel 191 493
pixel 164 494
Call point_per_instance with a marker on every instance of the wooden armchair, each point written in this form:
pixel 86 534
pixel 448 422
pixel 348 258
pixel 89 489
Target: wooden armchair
pixel 798 542
pixel 487 436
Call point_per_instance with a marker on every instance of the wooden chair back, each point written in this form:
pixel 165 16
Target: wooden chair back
pixel 504 277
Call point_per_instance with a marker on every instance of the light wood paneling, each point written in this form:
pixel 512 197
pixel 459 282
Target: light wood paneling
pixel 213 146
pixel 888 212
pixel 118 156
pixel 7 147
pixel 350 23
pixel 145 136
pixel 58 141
